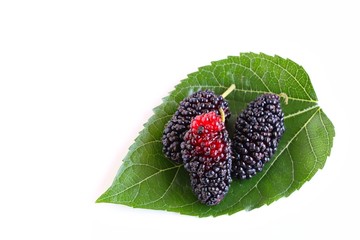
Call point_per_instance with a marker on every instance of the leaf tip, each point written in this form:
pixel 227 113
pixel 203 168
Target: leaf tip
pixel 100 199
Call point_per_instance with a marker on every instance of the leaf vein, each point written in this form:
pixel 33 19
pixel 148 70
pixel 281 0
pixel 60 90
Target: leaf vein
pixel 143 144
pixel 212 73
pixel 292 76
pixel 300 112
pixel 327 134
pixel 249 91
pixel 292 176
pixel 260 78
pixel 313 152
pixel 143 180
pixel 165 192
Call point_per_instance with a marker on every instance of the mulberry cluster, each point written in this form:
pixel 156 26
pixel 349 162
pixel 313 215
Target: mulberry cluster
pixel 196 136
pixel 198 103
pixel 206 152
pixel 258 130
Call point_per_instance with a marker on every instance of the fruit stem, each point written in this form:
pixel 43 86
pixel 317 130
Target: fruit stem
pixel 222 114
pixel 228 91
pixel 285 96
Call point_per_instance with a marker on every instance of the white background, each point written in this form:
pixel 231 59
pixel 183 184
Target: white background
pixel 79 78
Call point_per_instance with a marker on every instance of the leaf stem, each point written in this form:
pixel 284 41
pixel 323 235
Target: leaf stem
pixel 228 91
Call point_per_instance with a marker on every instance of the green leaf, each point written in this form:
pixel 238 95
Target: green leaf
pixel 147 179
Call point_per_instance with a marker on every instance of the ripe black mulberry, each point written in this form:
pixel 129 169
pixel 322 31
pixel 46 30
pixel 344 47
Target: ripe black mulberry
pixel 198 103
pixel 258 130
pixel 206 151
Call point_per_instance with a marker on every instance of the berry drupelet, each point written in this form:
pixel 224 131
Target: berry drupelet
pixel 206 152
pixel 258 130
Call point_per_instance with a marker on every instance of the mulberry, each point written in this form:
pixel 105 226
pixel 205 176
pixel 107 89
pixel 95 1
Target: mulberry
pixel 198 103
pixel 258 130
pixel 206 152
